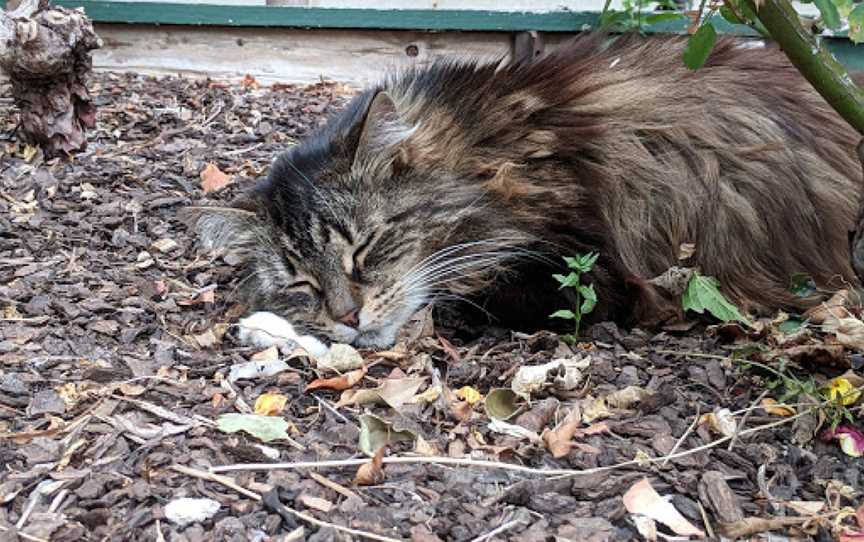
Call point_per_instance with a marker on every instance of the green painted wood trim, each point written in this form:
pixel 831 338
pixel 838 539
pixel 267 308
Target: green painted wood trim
pixel 391 19
pixel 848 53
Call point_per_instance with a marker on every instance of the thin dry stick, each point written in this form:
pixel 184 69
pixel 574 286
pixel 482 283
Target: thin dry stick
pixel 228 482
pixel 326 482
pixel 224 480
pixel 25 536
pixel 498 530
pixel 738 427
pixel 681 440
pixel 498 464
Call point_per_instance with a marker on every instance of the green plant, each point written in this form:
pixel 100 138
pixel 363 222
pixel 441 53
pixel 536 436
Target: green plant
pixel 792 390
pixel 586 297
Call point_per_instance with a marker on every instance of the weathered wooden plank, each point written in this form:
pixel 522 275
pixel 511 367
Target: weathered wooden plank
pixel 356 57
pixel 284 55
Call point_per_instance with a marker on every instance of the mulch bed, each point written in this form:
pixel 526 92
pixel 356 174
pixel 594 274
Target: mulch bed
pixel 115 350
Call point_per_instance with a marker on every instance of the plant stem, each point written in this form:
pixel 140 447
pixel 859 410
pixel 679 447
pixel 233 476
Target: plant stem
pixel 815 63
pixel 577 310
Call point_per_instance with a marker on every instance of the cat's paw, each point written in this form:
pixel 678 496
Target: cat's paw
pixel 264 329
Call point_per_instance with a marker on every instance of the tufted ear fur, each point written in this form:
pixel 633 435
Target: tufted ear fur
pixel 383 136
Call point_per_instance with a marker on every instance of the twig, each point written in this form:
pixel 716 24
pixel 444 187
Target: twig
pixel 683 437
pixel 749 411
pixel 338 488
pixel 498 530
pixel 497 464
pixel 209 476
pixel 228 482
pixel 335 412
pixel 23 535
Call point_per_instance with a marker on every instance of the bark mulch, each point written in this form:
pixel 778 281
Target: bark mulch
pixel 116 357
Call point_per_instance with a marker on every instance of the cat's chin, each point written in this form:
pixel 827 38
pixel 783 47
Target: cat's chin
pixel 376 338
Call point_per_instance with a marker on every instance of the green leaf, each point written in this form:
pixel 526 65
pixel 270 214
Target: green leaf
pixel 664 17
pixel 264 428
pixel 703 294
pixel 802 285
pixel 856 24
pixel 500 404
pixel 790 326
pixel 611 18
pixel 830 16
pixel 844 7
pixel 729 15
pixel 589 299
pixel 375 433
pixel 569 281
pixel 563 313
pixel 699 46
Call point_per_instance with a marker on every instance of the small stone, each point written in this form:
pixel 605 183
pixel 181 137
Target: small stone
pixel 144 260
pixel 187 510
pixel 165 245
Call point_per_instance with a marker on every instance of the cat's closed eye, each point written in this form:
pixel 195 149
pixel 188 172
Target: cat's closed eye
pixel 359 257
pixel 304 287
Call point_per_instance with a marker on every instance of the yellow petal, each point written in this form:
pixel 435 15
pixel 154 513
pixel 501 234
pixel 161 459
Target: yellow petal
pixel 270 404
pixel 469 394
pixel 840 389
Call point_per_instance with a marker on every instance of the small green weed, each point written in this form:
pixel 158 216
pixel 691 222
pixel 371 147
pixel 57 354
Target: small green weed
pixel 586 297
pixel 792 390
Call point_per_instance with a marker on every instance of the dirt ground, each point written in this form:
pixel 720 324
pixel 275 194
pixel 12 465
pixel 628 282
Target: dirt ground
pixel 116 357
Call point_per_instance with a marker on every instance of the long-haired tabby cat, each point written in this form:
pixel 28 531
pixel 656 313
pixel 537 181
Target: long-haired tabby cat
pixel 467 179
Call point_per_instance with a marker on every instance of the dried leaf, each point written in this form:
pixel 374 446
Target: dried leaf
pixel 131 390
pixel 768 406
pixel 371 473
pixel 513 430
pixel 501 404
pixel 557 440
pixel 339 383
pixel 340 358
pixel 627 397
pixel 376 433
pixel 213 179
pixel 264 428
pixel 429 396
pixel 594 409
pixel 720 421
pixel 642 499
pixel 270 404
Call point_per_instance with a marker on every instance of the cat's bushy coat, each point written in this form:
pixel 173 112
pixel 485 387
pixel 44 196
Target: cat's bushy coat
pixel 466 178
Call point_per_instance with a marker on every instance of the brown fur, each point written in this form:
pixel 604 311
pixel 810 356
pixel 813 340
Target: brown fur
pixel 615 148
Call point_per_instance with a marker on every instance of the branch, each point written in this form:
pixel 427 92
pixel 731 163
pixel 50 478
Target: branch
pixel 819 66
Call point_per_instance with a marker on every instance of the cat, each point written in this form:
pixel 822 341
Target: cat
pixel 470 180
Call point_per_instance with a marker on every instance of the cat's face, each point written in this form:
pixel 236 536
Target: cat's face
pixel 346 240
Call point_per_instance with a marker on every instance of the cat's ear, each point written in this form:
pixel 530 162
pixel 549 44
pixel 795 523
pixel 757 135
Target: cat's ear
pixel 230 229
pixel 383 135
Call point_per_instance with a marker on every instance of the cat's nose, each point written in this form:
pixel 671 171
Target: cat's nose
pixel 351 318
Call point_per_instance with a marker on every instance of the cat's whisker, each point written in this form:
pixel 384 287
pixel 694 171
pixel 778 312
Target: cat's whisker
pixel 435 256
pixel 422 273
